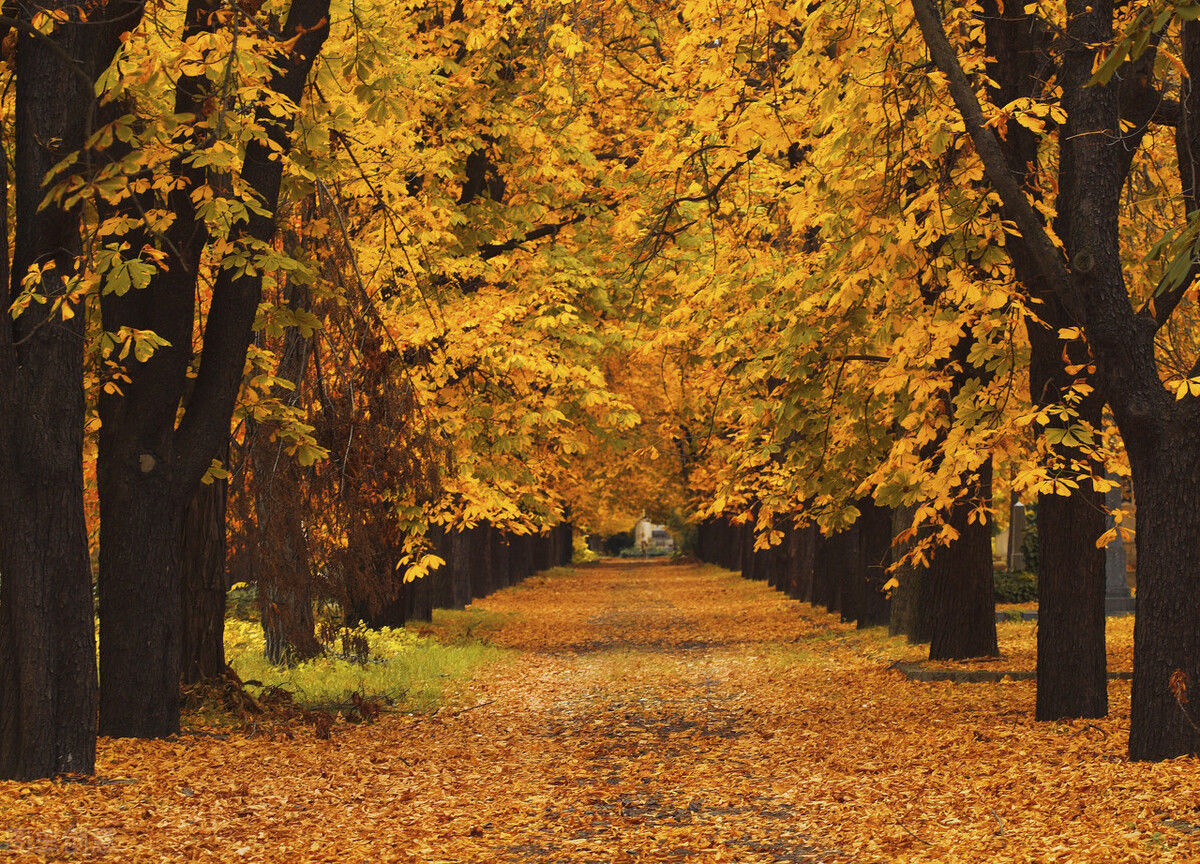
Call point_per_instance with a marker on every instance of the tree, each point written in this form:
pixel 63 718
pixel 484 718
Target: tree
pixel 1088 275
pixel 160 433
pixel 47 659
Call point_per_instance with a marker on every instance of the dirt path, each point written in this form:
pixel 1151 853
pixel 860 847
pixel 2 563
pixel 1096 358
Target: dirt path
pixel 648 713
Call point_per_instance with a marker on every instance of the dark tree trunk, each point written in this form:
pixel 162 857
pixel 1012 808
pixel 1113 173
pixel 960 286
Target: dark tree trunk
pixel 837 562
pixel 853 575
pixel 151 459
pixel 460 567
pixel 801 557
pixel 498 544
pixel 542 553
pixel 287 622
pixel 961 588
pixel 733 548
pixel 875 548
pixel 823 588
pixel 705 546
pixel 202 572
pixel 377 599
pixel 1072 678
pixel 568 544
pixel 1166 663
pixel 418 600
pixel 1071 656
pixel 520 556
pixel 47 644
pixel 910 598
pixel 441 580
pixel 481 571
pixel 775 566
pixel 282 566
pixel 748 556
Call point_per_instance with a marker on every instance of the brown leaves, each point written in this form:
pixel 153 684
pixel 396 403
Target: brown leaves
pixel 1179 686
pixel 657 713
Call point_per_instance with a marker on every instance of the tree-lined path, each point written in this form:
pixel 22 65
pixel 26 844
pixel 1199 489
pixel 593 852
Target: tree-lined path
pixel 645 712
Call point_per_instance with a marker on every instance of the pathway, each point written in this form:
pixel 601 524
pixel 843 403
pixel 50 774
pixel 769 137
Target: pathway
pixel 649 712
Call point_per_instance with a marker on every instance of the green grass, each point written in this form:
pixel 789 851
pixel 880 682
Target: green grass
pixel 417 672
pixel 462 626
pixel 543 577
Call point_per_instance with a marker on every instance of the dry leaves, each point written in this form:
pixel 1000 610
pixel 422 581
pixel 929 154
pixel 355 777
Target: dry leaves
pixel 655 713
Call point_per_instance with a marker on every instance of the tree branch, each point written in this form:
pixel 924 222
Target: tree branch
pixel 1014 205
pixel 490 250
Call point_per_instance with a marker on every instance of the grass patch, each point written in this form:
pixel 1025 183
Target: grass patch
pixel 542 577
pixel 460 627
pixel 416 672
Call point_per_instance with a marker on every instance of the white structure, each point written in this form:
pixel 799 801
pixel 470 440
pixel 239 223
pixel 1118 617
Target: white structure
pixel 648 536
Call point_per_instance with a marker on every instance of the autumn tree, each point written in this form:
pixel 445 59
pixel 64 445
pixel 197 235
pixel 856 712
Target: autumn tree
pixel 160 431
pixel 1088 274
pixel 47 660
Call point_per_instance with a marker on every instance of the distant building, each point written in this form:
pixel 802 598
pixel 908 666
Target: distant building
pixel 652 538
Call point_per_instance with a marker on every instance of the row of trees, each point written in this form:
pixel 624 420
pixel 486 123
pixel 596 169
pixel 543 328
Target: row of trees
pixel 260 283
pixel 404 271
pixel 915 257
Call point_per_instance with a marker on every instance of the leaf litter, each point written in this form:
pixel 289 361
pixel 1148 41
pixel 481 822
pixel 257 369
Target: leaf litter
pixel 654 712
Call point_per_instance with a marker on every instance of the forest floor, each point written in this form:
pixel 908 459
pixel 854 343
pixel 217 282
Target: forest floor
pixel 642 712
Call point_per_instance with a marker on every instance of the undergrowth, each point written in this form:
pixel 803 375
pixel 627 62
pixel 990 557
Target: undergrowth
pixel 417 672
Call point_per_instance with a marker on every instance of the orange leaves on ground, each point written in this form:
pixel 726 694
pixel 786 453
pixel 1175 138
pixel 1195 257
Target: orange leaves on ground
pixel 651 713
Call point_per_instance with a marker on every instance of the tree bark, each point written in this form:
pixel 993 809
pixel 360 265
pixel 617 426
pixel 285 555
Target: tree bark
pixel 204 585
pixel 1071 667
pixel 875 547
pixel 852 574
pixel 47 645
pixel 801 562
pixel 824 588
pixel 961 589
pixel 460 567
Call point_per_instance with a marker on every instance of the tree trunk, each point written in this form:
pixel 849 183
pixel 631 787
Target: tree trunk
pixel 377 599
pixel 875 547
pixel 909 616
pixel 802 550
pixel 542 557
pixel 567 544
pixel 418 600
pixel 481 561
pixel 853 574
pixel 823 589
pixel 287 622
pixel 203 583
pixel 1165 719
pixel 508 558
pixel 460 567
pixel 148 449
pixel 48 690
pixel 961 589
pixel 1071 656
pixel 441 580
pixel 748 559
pixel 47 648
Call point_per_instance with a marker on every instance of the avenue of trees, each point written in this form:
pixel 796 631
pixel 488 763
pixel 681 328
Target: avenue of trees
pixel 370 302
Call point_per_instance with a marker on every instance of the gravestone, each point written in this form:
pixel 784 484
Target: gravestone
pixel 1117 599
pixel 1016 538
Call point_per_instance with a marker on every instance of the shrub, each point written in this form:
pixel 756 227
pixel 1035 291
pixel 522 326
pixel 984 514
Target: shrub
pixel 414 671
pixel 1016 587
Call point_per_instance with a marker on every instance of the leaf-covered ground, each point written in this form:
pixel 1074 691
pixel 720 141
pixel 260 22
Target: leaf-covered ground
pixel 651 713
